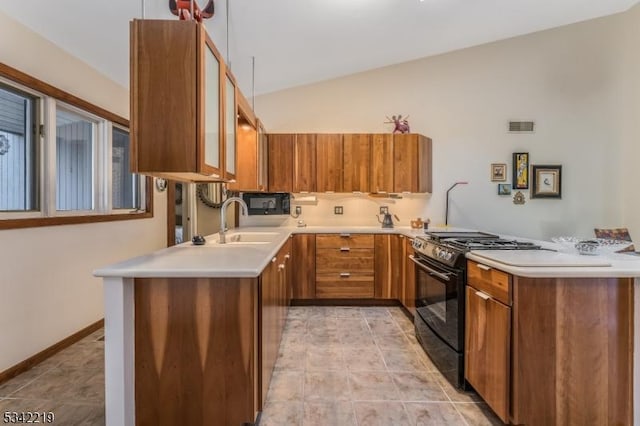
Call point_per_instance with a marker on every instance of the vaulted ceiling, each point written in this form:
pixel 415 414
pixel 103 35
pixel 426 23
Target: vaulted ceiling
pixel 297 42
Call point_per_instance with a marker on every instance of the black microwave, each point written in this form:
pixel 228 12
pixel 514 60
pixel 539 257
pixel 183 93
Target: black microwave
pixel 265 203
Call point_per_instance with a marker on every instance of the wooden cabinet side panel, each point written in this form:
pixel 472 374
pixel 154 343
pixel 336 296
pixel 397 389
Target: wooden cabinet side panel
pixel 356 162
pixel 487 351
pixel 163 102
pixel 382 163
pixel 280 162
pixel 304 163
pixel 329 162
pixel 409 276
pixel 579 333
pixel 195 350
pixel 304 267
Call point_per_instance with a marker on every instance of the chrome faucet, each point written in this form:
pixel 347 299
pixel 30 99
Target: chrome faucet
pixel 223 216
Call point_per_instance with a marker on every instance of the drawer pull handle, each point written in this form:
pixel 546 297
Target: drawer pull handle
pixel 345 249
pixel 484 267
pixel 345 235
pixel 273 260
pixel 483 296
pixel 287 256
pixel 344 275
pixel 281 267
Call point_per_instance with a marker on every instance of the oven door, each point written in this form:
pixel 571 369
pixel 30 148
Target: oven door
pixel 440 300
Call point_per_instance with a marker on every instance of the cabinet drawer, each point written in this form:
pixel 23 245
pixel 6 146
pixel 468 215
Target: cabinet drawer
pixel 344 240
pixel 495 283
pixel 344 260
pixel 343 286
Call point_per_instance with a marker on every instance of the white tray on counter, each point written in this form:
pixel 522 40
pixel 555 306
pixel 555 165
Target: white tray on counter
pixel 541 258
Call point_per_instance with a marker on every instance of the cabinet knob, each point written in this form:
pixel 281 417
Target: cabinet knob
pixel 281 266
pixel 345 274
pixel 273 260
pixel 484 267
pixel 345 249
pixel 287 256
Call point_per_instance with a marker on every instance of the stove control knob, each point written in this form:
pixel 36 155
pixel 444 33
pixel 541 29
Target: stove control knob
pixel 449 256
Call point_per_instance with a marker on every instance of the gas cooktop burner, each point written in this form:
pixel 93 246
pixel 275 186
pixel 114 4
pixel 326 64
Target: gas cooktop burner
pixel 489 244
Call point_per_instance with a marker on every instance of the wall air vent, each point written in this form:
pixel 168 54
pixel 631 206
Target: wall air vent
pixel 521 126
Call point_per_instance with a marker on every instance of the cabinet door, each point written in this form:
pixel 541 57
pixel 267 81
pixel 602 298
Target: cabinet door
pixel 356 161
pixel 388 263
pixel 280 160
pixel 165 105
pixel 329 163
pixel 304 266
pixel 304 163
pixel 412 163
pixel 487 350
pixel 268 320
pixel 263 166
pixel 382 163
pixel 210 149
pixel 230 114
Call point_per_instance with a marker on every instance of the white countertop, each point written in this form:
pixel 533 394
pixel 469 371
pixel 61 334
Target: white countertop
pixel 544 263
pixel 212 260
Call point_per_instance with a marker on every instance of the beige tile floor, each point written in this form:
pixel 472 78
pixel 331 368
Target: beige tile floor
pixel 337 366
pixel 70 384
pixel 361 366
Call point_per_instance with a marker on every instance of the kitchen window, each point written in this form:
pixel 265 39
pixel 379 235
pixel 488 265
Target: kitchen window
pixel 63 160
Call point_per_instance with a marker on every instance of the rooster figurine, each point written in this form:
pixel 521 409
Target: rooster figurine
pixel 182 9
pixel 401 124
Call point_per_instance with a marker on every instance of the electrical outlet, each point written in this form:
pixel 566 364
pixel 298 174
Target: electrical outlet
pixel 298 209
pixel 384 210
pixel 337 210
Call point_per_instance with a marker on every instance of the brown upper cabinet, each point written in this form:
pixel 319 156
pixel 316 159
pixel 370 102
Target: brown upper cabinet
pixel 329 162
pixel 382 163
pixel 183 103
pixel 251 174
pixel 356 161
pixel 412 163
pixel 281 162
pixel 304 163
pixel 378 163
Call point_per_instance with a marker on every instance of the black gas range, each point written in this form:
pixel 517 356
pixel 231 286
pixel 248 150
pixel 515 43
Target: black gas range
pixel 440 293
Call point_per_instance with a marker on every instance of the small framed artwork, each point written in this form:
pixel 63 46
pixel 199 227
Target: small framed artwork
pixel 520 170
pixel 498 172
pixel 504 189
pixel 546 181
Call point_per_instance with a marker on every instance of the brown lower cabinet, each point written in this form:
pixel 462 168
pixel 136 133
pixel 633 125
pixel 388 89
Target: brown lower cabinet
pixel 389 266
pixel 550 351
pixel 274 301
pixel 344 266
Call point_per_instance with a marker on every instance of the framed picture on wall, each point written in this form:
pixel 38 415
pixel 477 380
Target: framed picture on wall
pixel 546 181
pixel 504 189
pixel 498 172
pixel 520 170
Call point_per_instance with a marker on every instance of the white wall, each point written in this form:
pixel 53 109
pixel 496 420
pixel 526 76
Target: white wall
pixel 567 79
pixel 630 92
pixel 47 291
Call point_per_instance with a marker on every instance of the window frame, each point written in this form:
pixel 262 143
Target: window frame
pixel 49 96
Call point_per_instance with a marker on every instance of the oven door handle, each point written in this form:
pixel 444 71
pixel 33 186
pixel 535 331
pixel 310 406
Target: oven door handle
pixel 429 270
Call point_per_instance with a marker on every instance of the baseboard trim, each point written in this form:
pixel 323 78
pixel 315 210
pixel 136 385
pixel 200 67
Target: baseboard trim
pixel 50 351
pixel 345 302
